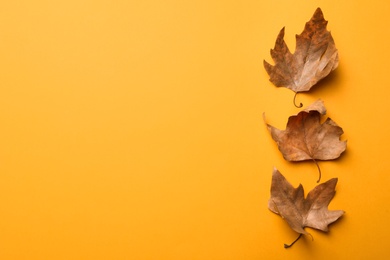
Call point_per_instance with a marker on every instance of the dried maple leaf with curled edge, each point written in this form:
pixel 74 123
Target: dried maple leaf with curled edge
pixel 314 58
pixel 300 212
pixel 306 138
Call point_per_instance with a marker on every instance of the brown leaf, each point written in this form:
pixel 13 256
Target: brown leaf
pixel 306 138
pixel 300 212
pixel 314 58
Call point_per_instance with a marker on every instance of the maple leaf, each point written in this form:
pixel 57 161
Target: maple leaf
pixel 314 58
pixel 300 212
pixel 306 138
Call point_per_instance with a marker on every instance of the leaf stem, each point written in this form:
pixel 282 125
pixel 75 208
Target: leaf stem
pixel 300 105
pixel 319 170
pixel 290 245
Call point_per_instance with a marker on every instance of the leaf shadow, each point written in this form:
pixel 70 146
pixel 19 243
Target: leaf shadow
pixel 332 81
pixel 343 156
pixel 339 221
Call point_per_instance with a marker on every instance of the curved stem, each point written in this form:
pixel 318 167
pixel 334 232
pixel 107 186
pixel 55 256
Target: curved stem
pixel 300 105
pixel 319 170
pixel 290 245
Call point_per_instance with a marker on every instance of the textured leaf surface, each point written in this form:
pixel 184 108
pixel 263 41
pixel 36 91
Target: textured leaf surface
pixel 300 212
pixel 314 58
pixel 306 138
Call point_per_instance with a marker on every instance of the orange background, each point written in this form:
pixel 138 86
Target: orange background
pixel 133 129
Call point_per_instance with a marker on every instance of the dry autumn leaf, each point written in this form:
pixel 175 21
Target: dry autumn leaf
pixel 306 138
pixel 301 212
pixel 314 58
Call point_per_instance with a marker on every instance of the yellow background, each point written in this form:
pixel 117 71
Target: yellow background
pixel 133 129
